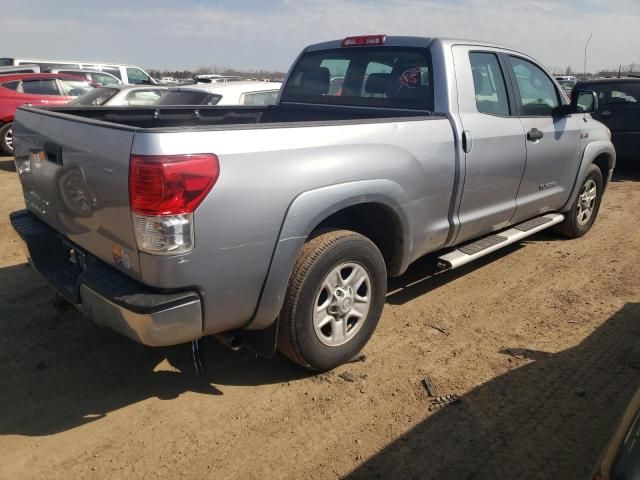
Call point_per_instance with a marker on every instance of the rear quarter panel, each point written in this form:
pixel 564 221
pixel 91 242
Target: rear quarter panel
pixel 263 170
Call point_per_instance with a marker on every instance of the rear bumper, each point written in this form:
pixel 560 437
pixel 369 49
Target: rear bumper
pixel 107 296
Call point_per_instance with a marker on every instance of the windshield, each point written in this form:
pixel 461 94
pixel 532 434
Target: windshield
pixel 363 76
pixel 96 97
pixel 189 97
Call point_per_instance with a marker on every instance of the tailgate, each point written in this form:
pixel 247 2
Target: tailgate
pixel 74 174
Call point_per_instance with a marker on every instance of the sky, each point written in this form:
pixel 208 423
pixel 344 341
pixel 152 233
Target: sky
pixel 253 34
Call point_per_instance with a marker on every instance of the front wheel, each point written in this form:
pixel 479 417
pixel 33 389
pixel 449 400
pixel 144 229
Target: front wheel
pixel 334 300
pixel 584 211
pixel 6 138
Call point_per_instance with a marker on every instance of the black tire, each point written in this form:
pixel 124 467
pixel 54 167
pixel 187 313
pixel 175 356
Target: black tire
pixel 571 226
pixel 297 338
pixel 4 146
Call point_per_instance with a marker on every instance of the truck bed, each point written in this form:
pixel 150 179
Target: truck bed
pixel 74 167
pixel 171 117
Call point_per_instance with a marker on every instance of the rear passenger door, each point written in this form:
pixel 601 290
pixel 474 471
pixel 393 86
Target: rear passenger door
pixel 494 142
pixel 39 92
pixel 552 141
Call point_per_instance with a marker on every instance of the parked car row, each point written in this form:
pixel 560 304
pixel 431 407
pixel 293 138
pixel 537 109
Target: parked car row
pixel 43 89
pixel 83 87
pixel 124 73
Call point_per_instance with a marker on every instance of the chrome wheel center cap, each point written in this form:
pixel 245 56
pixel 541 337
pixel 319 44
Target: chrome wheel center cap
pixel 342 302
pixel 346 305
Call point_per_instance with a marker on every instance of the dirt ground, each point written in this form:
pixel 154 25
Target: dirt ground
pixel 541 341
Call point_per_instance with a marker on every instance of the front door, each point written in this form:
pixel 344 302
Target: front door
pixel 552 142
pixel 494 141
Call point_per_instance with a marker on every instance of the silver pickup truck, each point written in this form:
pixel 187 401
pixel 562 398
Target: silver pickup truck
pixel 278 226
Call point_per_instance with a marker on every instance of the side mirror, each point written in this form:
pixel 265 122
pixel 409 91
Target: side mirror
pixel 584 101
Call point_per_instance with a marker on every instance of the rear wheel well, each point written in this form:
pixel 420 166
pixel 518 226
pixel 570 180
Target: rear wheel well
pixel 376 222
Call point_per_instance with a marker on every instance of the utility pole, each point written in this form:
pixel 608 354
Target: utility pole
pixel 585 55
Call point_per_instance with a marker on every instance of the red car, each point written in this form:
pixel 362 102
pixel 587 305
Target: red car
pixel 34 89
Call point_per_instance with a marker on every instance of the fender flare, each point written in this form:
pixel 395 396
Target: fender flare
pixel 592 151
pixel 304 214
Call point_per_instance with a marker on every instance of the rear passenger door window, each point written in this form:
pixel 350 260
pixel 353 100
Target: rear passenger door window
pixel 536 90
pixel 40 87
pixel 489 84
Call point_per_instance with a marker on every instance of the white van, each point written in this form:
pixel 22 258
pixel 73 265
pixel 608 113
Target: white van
pixel 126 73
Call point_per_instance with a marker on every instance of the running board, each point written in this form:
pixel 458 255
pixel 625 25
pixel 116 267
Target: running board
pixel 486 245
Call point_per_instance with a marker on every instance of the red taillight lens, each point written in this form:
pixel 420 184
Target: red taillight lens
pixel 364 40
pixel 170 184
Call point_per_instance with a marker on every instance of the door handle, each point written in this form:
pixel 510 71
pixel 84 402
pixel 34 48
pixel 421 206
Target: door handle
pixel 534 134
pixel 467 141
pixel 605 113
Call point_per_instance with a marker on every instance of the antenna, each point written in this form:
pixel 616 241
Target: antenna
pixel 585 55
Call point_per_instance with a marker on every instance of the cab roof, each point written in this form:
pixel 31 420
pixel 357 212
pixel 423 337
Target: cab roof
pixel 406 41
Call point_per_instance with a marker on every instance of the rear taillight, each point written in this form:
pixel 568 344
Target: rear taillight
pixel 164 191
pixel 170 184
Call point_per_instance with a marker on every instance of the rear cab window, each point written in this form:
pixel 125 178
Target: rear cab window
pixel 385 77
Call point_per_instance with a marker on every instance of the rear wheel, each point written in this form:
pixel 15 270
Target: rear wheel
pixel 584 211
pixel 334 300
pixel 6 138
